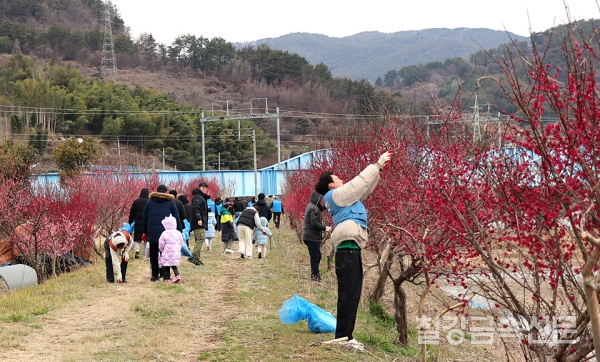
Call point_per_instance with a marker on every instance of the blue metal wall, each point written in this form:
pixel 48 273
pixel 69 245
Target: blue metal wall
pixel 270 180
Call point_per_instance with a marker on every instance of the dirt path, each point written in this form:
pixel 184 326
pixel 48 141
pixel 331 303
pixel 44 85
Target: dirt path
pixel 179 322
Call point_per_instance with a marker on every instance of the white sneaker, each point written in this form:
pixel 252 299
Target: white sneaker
pixel 353 343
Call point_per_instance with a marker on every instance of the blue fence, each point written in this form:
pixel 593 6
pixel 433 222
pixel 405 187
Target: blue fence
pixel 270 180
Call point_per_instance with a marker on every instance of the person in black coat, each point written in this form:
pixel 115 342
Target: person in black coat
pixel 312 233
pixel 263 209
pixel 188 216
pixel 199 218
pixel 135 215
pixel 158 207
pixel 238 207
pixel 180 207
pixel 187 206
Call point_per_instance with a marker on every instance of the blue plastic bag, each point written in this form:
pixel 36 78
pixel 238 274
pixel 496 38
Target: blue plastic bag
pixel 293 310
pixel 127 227
pixel 297 308
pixel 320 321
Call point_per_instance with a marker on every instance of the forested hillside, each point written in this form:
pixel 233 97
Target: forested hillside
pixel 370 54
pixel 43 79
pixel 457 79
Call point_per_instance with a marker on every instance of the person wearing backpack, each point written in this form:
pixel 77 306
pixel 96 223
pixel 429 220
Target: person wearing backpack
pixel 228 234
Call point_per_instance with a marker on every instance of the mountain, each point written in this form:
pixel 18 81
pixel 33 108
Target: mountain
pixel 372 54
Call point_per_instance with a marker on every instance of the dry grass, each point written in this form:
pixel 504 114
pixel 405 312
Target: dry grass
pixel 226 310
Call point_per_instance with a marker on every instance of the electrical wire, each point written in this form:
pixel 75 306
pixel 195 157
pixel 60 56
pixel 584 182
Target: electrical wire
pixel 283 113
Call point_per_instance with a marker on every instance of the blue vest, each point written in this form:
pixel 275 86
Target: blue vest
pixel 211 204
pixel 276 206
pixel 355 212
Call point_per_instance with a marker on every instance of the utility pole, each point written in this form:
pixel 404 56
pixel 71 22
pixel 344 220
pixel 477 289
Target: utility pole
pixel 255 170
pixel 163 158
pixel 278 141
pixel 203 150
pixel 499 133
pixel 109 60
pixel 119 150
pixel 476 125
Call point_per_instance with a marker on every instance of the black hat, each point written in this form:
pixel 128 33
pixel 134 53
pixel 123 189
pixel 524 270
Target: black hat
pixel 202 184
pixel 161 188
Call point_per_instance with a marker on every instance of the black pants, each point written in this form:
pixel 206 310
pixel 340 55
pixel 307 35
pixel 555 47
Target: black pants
pixel 154 260
pixel 110 274
pixel 167 271
pixel 348 269
pixel 314 250
pixel 277 219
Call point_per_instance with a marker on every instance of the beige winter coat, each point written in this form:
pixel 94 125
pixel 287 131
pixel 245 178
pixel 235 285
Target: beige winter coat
pixel 117 238
pixel 356 189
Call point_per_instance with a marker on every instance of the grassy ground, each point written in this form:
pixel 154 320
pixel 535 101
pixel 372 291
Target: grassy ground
pixel 226 310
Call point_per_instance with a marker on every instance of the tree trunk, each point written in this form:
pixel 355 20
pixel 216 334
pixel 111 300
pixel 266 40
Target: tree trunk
pixel 297 226
pixel 589 286
pixel 400 314
pixel 379 288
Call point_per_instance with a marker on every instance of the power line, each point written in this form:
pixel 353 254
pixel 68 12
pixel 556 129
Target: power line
pixel 283 113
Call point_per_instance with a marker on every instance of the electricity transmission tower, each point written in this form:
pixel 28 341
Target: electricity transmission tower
pixel 109 61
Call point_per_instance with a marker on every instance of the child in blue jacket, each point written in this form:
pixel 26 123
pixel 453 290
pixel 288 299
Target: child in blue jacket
pixel 210 232
pixel 261 238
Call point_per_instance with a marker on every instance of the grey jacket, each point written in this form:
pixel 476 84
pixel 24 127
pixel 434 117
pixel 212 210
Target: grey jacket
pixel 356 189
pixel 312 219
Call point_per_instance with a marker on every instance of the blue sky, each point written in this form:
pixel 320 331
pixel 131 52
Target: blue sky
pixel 242 20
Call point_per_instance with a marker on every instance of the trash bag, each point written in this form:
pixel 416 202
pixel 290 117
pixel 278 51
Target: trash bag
pixel 127 227
pixel 297 308
pixel 293 310
pixel 320 321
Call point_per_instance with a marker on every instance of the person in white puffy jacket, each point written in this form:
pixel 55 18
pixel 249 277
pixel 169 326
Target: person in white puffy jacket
pixel 117 245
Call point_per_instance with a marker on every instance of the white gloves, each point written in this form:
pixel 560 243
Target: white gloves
pixel 384 159
pixel 126 257
pixel 119 279
pixel 327 228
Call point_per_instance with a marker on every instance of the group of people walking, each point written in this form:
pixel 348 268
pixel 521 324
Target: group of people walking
pixel 162 220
